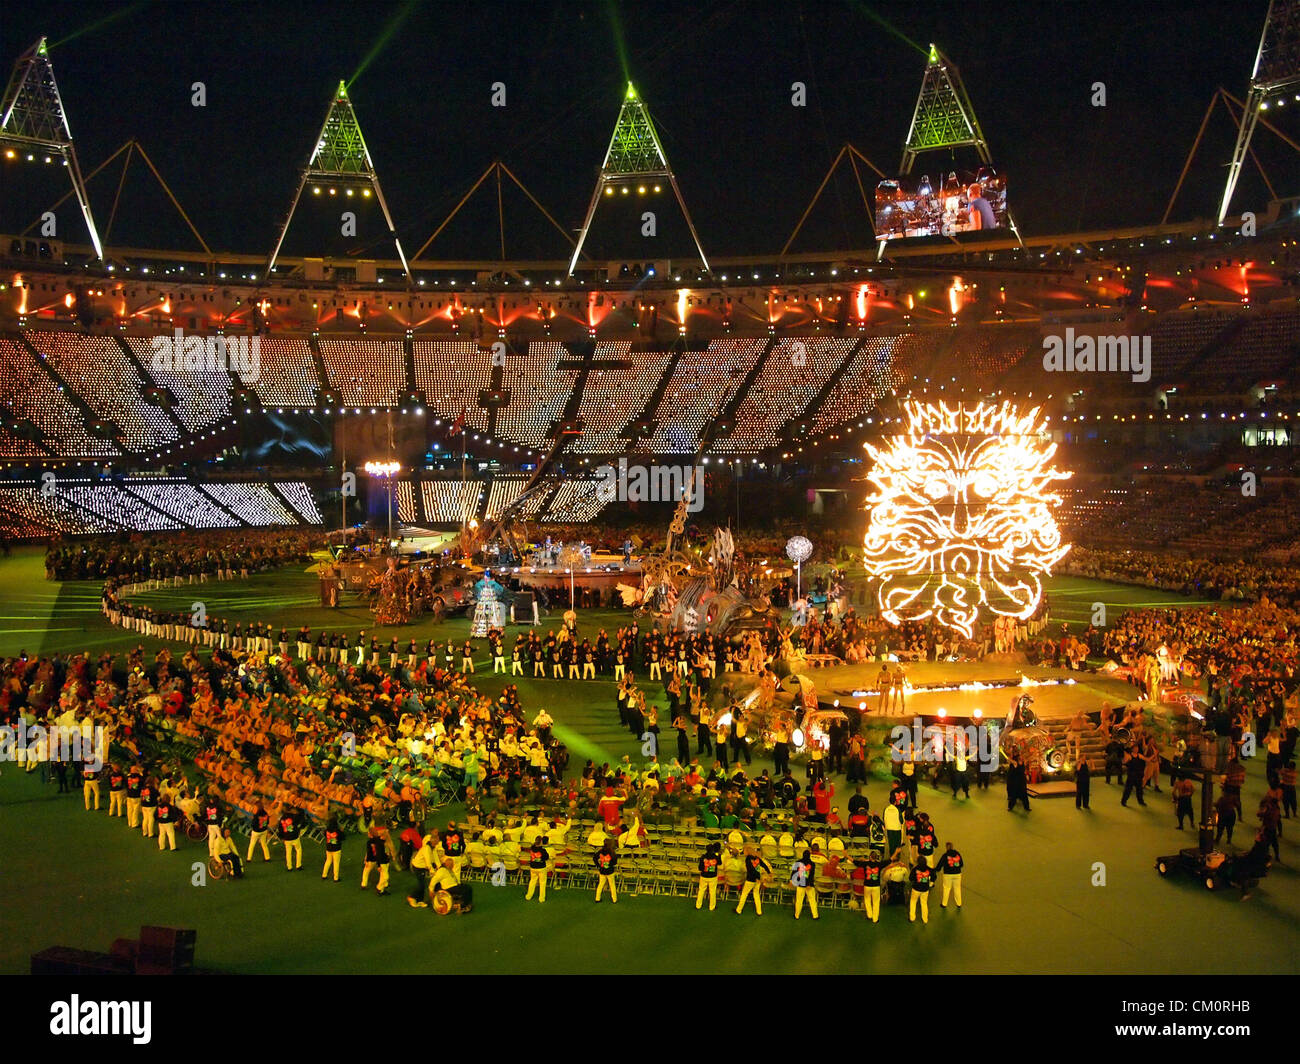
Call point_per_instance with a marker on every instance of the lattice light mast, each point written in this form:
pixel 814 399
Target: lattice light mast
pixel 634 153
pixel 1276 72
pixel 341 156
pixel 33 123
pixel 943 118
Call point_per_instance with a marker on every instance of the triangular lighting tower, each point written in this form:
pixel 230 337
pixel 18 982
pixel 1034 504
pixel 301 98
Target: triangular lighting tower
pixel 33 122
pixel 341 156
pixel 634 152
pixel 944 118
pixel 1277 71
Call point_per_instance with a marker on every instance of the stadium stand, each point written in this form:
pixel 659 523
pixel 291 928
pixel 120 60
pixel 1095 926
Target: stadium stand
pixel 30 393
pixel 452 373
pixel 99 370
pixel 539 391
pixel 202 396
pixel 365 372
pixel 699 382
pixel 287 373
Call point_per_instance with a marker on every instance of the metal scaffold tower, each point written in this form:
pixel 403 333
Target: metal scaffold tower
pixel 341 156
pixel 1276 72
pixel 634 153
pixel 34 125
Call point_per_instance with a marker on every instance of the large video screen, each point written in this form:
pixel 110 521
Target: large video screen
pixel 951 203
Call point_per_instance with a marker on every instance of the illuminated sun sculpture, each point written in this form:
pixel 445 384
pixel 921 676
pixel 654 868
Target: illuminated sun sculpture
pixel 961 516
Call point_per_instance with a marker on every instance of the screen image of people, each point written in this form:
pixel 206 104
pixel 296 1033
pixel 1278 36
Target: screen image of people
pixel 910 207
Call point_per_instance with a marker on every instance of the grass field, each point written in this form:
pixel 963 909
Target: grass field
pixel 78 879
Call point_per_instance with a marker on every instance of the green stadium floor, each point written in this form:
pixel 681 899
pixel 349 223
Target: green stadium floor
pixel 78 879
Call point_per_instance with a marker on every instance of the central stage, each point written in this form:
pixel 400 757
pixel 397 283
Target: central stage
pixel 960 688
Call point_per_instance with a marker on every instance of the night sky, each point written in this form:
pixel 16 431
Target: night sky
pixel 717 78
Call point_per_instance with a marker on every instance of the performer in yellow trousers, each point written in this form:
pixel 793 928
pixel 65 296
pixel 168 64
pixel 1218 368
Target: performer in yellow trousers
pixel 708 866
pixel 921 879
pixel 90 786
pixel 166 815
pixel 951 864
pixel 872 868
pixel 134 782
pixel 537 860
pixel 755 869
pixel 261 828
pixel 148 809
pixel 802 878
pixel 333 849
pixel 116 792
pixel 606 866
pixel 291 836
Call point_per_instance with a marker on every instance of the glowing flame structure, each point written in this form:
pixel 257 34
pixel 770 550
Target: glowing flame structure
pixel 961 516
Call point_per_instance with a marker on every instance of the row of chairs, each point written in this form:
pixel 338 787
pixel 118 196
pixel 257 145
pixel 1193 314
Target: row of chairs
pixel 662 878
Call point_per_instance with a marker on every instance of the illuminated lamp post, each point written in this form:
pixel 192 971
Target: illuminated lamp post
pixel 385 471
pixel 798 550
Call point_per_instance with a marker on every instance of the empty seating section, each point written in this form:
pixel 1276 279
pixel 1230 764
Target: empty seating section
pixel 613 397
pixel 404 499
pixel 202 396
pixel 1265 349
pixel 795 371
pixel 29 393
pixel 504 491
pixel 287 375
pixel 539 390
pixel 183 501
pixel 448 501
pixel 365 372
pixel 451 373
pixel 858 391
pixel 576 500
pixel 123 508
pixel 98 369
pixel 699 382
pixel 1177 338
pixel 1182 516
pixel 254 504
pixel 300 499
